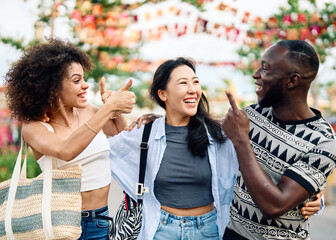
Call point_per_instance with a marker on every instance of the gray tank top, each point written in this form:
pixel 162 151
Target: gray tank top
pixel 183 180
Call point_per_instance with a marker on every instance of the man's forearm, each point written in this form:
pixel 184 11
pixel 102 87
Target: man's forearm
pixel 272 200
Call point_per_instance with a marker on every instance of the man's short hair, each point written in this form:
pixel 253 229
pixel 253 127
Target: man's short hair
pixel 303 55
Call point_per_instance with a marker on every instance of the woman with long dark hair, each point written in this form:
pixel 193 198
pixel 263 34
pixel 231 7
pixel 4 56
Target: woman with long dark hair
pixel 191 165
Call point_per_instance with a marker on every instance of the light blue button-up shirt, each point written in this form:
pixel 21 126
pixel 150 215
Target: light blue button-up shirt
pixel 125 160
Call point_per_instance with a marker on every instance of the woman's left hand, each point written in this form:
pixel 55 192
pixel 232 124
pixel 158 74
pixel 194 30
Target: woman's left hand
pixel 310 208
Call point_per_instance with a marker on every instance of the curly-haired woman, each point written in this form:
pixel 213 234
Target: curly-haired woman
pixel 47 91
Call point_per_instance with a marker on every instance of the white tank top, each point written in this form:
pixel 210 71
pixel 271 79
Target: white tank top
pixel 96 171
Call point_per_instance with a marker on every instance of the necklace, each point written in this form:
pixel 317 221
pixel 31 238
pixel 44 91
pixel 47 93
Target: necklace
pixel 70 123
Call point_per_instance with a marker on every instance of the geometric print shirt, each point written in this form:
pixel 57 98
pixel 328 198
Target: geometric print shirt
pixel 303 150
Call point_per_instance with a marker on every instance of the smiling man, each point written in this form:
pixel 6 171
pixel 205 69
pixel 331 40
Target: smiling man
pixel 286 150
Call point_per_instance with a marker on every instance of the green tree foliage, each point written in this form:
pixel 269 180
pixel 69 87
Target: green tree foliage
pixel 317 27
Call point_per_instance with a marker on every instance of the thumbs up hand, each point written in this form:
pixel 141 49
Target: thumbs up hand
pixel 121 101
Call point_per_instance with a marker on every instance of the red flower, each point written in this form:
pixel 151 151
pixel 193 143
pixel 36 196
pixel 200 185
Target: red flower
pixel 304 33
pixel 302 18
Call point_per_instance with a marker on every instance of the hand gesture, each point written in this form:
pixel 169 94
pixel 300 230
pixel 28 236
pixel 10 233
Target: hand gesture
pixel 144 119
pixel 121 101
pixel 235 124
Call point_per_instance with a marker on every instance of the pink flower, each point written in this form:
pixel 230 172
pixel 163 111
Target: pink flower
pixel 109 32
pixel 76 15
pixel 287 19
pixel 88 19
pixel 118 59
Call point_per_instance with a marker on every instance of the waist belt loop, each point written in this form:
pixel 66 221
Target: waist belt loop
pixel 199 223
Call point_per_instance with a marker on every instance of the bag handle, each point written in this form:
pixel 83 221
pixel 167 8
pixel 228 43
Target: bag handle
pixel 46 197
pixel 47 187
pixel 140 189
pixel 12 191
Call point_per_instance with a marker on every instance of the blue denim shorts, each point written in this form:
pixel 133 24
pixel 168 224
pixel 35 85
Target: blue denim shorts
pixel 93 227
pixel 187 228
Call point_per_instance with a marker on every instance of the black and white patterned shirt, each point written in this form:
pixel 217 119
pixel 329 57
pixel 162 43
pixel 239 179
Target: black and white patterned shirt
pixel 303 150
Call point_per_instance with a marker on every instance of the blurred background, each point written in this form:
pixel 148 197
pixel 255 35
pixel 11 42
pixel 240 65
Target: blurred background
pixel 130 38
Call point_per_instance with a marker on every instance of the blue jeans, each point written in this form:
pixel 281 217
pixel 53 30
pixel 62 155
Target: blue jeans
pixel 187 228
pixel 92 226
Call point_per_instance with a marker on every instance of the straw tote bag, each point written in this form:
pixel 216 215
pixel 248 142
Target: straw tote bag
pixel 45 207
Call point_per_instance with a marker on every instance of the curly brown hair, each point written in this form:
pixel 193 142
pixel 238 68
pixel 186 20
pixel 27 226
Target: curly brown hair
pixel 34 82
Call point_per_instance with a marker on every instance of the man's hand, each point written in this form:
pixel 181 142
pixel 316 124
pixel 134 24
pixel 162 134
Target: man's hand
pixel 310 208
pixel 144 119
pixel 235 124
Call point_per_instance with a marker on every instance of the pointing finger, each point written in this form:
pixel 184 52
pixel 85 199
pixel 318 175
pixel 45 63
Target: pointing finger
pixel 232 101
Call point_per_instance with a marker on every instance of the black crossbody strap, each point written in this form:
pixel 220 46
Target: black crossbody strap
pixel 140 188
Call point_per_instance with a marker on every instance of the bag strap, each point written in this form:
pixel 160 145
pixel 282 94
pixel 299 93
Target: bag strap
pixel 140 188
pixel 12 190
pixel 46 197
pixel 49 162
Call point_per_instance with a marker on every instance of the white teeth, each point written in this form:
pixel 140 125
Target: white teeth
pixel 191 101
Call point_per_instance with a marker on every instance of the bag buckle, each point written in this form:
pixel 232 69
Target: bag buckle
pixel 144 145
pixel 140 189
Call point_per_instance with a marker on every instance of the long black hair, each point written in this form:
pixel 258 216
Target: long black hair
pixel 197 135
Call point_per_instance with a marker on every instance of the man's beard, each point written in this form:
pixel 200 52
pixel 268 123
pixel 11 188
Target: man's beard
pixel 274 96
